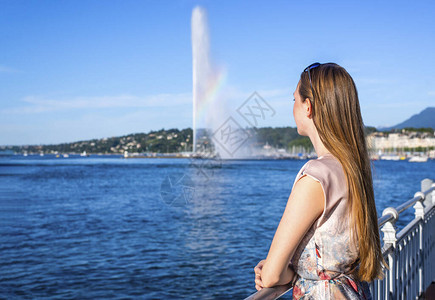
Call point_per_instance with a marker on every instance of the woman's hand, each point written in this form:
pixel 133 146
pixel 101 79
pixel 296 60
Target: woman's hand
pixel 257 270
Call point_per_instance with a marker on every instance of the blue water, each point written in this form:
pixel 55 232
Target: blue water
pixel 109 228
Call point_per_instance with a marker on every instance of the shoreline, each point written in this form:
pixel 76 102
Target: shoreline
pixel 388 157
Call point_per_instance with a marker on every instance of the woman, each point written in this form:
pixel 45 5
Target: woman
pixel 327 242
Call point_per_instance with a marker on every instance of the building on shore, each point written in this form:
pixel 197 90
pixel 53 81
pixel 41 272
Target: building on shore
pixel 381 142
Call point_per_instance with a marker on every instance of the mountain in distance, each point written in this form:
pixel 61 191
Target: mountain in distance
pixel 424 119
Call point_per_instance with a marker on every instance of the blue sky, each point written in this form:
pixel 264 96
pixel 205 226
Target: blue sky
pixel 76 70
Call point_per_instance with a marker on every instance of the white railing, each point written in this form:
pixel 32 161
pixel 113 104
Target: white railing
pixel 410 253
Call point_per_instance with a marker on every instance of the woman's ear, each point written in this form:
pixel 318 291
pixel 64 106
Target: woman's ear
pixel 308 108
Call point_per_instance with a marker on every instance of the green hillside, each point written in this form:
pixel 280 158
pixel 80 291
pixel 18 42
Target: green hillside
pixel 168 141
pixel 163 141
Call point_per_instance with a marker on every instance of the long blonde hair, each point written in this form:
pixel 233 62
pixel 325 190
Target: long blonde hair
pixel 337 117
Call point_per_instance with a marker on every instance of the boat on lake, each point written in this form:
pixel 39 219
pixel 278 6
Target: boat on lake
pixel 422 158
pixel 389 157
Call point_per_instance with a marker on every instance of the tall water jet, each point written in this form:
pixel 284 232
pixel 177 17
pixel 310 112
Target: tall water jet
pixel 210 110
pixel 201 62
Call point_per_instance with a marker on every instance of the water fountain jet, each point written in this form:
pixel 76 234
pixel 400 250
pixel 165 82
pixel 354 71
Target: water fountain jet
pixel 209 106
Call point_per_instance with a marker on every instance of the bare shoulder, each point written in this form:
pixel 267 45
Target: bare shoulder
pixel 308 194
pixel 307 184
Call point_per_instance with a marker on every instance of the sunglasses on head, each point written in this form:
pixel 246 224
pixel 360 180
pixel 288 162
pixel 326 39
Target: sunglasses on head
pixel 307 69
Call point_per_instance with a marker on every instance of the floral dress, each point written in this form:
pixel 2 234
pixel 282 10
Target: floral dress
pixel 325 259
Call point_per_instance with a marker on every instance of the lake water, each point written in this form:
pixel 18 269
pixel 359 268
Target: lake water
pixel 109 228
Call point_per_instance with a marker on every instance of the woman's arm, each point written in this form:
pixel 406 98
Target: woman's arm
pixel 305 205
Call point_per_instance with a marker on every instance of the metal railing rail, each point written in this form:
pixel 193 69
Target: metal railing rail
pixel 410 253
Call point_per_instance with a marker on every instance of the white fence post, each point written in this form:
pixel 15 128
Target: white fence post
pixel 418 206
pixel 389 230
pixel 433 194
pixel 419 213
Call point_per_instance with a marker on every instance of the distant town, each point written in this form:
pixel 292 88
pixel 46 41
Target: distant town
pixel 404 144
pixel 283 142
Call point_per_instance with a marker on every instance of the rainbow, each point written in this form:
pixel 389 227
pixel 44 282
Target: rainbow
pixel 215 84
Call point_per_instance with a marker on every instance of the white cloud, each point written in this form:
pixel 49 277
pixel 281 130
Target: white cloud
pixel 89 125
pixel 36 104
pixel 36 120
